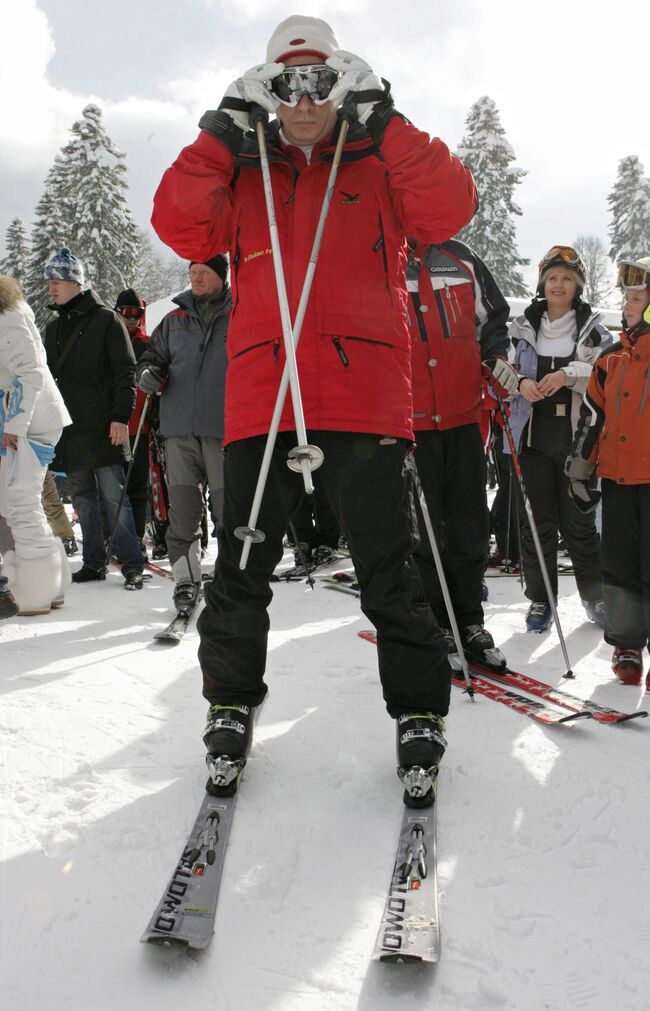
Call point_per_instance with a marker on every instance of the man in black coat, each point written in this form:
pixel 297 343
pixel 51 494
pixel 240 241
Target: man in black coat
pixel 91 358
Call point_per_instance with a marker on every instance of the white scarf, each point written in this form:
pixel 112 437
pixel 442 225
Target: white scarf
pixel 557 337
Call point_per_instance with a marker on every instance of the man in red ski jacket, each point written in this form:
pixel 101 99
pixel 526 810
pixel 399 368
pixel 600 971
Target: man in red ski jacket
pixel 353 357
pixel 459 337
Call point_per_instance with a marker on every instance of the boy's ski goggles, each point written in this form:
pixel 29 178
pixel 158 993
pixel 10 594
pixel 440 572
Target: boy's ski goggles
pixel 567 254
pixel 315 81
pixel 633 275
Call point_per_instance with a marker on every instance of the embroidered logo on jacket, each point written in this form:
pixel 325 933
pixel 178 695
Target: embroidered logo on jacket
pixel 350 199
pixel 258 252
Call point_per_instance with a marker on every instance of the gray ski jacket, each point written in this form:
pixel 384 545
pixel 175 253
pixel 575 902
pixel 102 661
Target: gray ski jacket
pixel 193 361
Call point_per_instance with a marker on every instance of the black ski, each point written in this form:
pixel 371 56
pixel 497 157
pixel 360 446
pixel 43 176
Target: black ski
pixel 297 572
pixel 345 582
pixel 186 912
pixel 177 627
pixel 410 925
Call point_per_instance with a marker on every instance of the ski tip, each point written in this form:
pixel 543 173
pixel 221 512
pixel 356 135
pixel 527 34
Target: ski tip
pixel 583 714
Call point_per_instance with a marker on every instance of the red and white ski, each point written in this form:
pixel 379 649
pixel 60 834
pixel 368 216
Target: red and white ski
pixel 545 712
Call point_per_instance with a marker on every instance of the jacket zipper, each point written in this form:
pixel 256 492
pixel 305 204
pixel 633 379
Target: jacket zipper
pixel 645 389
pixel 381 244
pixel 618 392
pixel 448 292
pixel 444 320
pixel 341 353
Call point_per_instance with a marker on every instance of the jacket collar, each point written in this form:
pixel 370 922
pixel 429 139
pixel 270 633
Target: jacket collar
pixel 185 300
pixel 80 305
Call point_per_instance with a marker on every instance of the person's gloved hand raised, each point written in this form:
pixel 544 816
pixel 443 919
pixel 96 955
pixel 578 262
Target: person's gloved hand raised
pixel 248 90
pixel 357 82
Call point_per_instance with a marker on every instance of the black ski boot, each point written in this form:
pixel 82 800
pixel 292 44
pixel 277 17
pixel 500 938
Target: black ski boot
pixel 186 595
pixel 479 644
pixel 8 605
pixel 228 736
pixel 420 747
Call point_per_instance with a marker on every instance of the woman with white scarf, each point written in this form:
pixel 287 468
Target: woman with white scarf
pixel 556 342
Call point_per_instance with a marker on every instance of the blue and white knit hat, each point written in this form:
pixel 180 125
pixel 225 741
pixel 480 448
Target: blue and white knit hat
pixel 64 266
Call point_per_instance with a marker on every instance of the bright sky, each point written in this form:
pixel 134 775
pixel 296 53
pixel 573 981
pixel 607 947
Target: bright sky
pixel 569 80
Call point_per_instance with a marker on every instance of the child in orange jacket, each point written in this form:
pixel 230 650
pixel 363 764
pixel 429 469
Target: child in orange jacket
pixel 613 440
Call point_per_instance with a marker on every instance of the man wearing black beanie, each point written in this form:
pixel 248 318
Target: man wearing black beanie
pixel 185 362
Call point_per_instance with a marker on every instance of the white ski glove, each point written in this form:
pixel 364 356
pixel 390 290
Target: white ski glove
pixel 501 376
pixel 251 89
pixel 358 80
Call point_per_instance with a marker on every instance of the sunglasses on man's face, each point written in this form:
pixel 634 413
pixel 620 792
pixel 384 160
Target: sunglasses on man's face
pixel 130 312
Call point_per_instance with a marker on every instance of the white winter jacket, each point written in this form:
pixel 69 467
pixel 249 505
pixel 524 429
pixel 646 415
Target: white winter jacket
pixel 32 404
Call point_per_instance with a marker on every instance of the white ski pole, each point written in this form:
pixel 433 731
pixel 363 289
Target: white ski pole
pixel 303 456
pixel 533 529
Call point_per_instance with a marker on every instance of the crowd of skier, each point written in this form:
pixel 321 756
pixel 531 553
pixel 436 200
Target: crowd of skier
pixel 349 379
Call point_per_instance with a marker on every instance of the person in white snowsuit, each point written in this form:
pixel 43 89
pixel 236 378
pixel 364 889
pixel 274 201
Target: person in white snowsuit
pixel 32 417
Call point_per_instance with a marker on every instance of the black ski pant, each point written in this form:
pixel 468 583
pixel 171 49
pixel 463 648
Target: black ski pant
pixel 626 563
pixel 506 509
pixel 548 492
pixel 138 486
pixel 452 470
pixel 363 476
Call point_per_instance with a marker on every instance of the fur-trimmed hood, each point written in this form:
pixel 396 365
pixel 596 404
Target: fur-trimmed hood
pixel 10 294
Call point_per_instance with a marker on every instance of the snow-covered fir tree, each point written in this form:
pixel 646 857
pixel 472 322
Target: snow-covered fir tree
pixel 50 232
pixel 491 232
pixel 102 231
pixel 156 277
pixel 16 251
pixel 630 208
pixel 599 290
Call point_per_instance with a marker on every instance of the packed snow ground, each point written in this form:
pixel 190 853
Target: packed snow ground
pixel 543 832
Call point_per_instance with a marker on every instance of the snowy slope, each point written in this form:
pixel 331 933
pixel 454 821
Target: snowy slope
pixel 543 833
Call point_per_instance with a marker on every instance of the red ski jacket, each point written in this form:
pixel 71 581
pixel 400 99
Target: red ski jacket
pixel 458 319
pixel 354 355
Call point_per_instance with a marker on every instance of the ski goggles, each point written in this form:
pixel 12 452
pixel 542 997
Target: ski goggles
pixel 566 254
pixel 131 312
pixel 316 81
pixel 633 275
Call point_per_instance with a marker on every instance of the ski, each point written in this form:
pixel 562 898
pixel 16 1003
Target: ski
pixel 186 912
pixel 298 572
pixel 346 582
pixel 545 712
pixel 601 713
pixel 496 572
pixel 410 924
pixel 178 626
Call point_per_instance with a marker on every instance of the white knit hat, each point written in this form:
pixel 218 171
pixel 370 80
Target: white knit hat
pixel 301 36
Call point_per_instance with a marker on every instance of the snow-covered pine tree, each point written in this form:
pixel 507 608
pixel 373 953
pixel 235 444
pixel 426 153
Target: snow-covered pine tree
pixel 630 208
pixel 598 289
pixel 50 232
pixel 491 232
pixel 16 251
pixel 102 234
